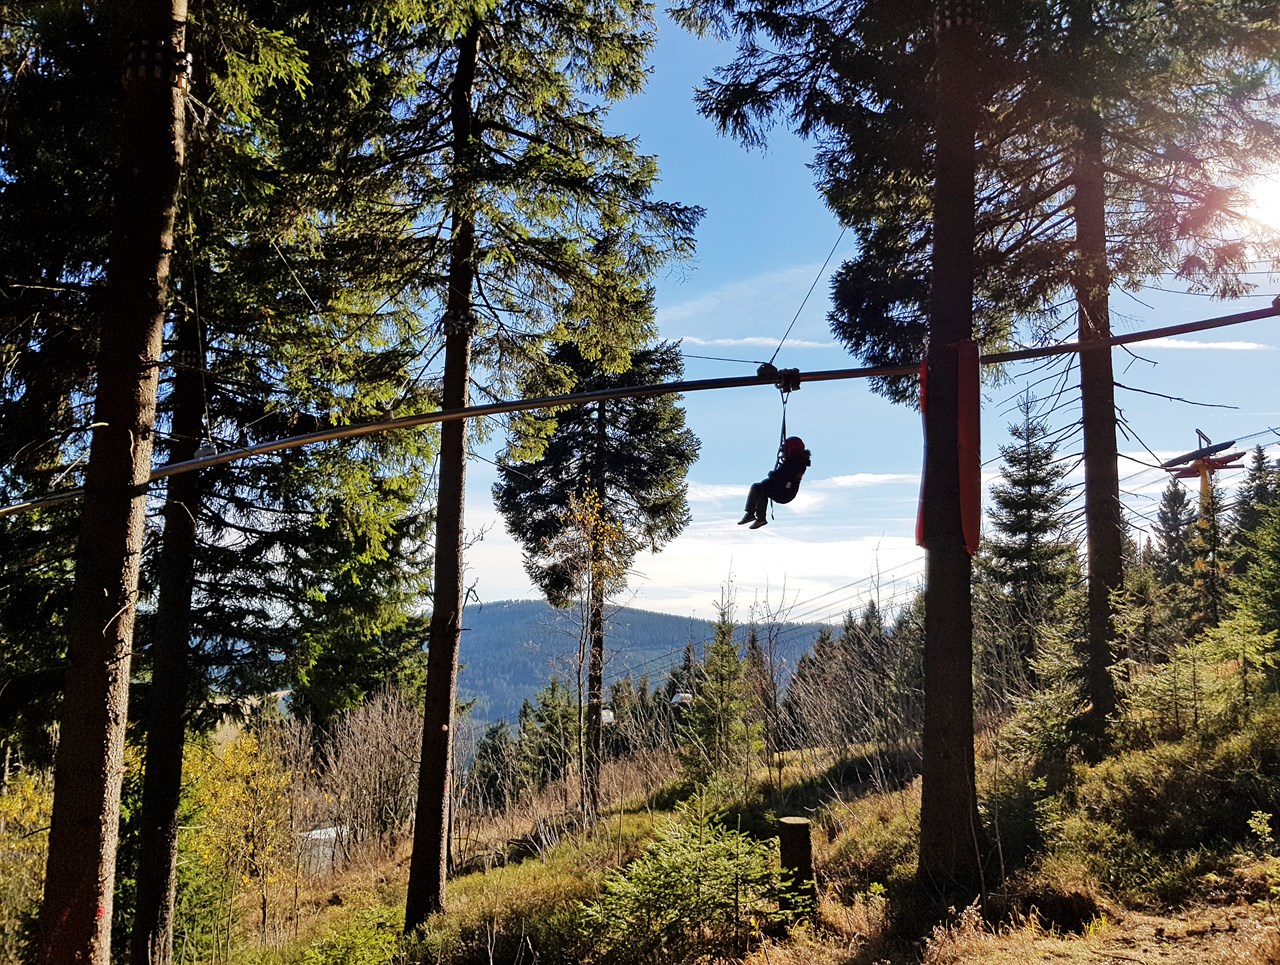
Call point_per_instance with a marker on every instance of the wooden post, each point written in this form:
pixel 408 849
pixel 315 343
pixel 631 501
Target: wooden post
pixel 795 846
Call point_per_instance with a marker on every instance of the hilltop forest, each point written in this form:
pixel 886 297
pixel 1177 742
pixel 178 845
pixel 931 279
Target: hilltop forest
pixel 235 714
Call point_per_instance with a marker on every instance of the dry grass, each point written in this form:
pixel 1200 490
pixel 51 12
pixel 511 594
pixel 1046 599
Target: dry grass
pixel 1206 936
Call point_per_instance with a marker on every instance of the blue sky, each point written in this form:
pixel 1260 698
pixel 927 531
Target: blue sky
pixel 849 534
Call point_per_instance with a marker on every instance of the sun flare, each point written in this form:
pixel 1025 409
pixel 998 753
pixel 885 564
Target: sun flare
pixel 1263 204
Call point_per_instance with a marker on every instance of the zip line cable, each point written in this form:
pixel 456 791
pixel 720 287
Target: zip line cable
pixel 804 301
pixel 639 391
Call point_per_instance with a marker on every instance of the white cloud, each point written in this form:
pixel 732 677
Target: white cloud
pixel 859 480
pixel 823 580
pixel 752 341
pixel 1179 344
pixel 824 565
pixel 773 286
pixel 715 492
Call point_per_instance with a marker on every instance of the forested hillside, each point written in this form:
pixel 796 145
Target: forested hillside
pixel 512 648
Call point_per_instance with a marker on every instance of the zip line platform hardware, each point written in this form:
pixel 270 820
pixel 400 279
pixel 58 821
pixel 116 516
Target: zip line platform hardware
pixel 767 375
pixel 1204 462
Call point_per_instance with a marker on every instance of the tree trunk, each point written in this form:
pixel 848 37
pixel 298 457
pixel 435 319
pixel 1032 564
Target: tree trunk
pixel 952 843
pixel 1104 522
pixel 75 917
pixel 595 698
pixel 595 668
pixel 152 938
pixel 428 866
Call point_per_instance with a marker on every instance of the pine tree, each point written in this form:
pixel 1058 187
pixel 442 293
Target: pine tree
pixel 551 223
pixel 1175 517
pixel 1031 560
pixel 717 739
pixel 624 461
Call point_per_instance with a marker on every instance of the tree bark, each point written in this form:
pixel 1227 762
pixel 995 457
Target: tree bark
pixel 595 666
pixel 1104 522
pixel 75 917
pixel 952 843
pixel 595 698
pixel 151 942
pixel 428 865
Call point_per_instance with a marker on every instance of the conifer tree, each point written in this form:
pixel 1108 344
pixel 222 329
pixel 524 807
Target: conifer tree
pixel 1258 592
pixel 1118 139
pixel 1031 559
pixel 718 739
pixel 1209 570
pixel 295 539
pixel 1174 518
pixel 76 914
pixel 627 459
pixel 1259 491
pixel 551 222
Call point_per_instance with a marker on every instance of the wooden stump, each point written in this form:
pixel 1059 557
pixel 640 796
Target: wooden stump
pixel 796 849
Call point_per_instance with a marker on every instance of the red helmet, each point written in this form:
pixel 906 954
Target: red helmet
pixel 793 446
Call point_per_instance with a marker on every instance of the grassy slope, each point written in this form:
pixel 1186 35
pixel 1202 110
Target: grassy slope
pixel 1146 857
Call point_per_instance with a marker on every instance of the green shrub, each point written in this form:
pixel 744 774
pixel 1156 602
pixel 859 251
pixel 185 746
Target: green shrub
pixel 372 937
pixel 1150 823
pixel 1184 795
pixel 700 889
pixel 25 805
pixel 1010 800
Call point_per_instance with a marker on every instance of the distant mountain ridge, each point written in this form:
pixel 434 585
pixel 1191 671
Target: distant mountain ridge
pixel 511 648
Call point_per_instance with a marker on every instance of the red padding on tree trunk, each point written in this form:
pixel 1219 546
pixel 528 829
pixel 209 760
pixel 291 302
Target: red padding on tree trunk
pixel 969 443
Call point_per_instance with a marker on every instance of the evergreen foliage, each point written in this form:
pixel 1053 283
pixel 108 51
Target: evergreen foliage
pixel 631 453
pixel 1175 517
pixel 858 80
pixel 1030 563
pixel 699 890
pixel 1258 589
pixel 1210 570
pixel 717 738
pixel 1259 492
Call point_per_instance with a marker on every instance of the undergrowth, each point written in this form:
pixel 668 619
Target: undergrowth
pixel 1150 827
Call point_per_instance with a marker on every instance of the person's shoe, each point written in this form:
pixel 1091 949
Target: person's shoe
pixel 746 519
pixel 760 522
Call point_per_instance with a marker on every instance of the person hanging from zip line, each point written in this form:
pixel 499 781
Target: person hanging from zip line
pixel 782 483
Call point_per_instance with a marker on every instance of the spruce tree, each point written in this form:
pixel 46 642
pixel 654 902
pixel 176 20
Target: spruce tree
pixel 1031 558
pixel 626 458
pixel 76 915
pixel 280 320
pixel 550 223
pixel 1259 491
pixel 1258 592
pixel 1174 518
pixel 718 740
pixel 1209 570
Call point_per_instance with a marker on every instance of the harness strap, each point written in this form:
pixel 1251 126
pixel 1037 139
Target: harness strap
pixel 782 439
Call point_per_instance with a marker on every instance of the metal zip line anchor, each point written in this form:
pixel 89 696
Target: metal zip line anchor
pixel 637 392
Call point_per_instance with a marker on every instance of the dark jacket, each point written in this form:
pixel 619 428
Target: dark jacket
pixel 784 482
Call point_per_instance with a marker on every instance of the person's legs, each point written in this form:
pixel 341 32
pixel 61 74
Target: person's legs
pixel 757 503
